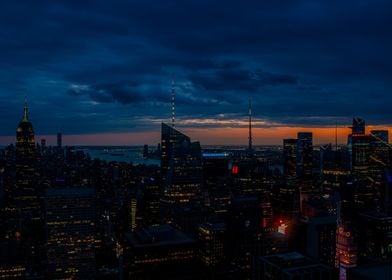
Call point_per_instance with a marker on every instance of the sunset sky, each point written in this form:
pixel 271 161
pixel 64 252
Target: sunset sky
pixel 100 71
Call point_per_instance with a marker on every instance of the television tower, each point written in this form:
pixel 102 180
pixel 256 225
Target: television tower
pixel 173 107
pixel 250 147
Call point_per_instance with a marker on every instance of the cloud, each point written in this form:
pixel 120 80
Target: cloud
pixel 107 65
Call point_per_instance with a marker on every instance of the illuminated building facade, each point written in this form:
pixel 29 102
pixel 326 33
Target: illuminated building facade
pixel 181 165
pixel 71 233
pixel 346 250
pixel 151 201
pixel 212 243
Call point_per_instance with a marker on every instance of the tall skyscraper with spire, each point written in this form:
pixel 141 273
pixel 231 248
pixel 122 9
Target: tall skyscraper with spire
pixel 181 166
pixel 25 194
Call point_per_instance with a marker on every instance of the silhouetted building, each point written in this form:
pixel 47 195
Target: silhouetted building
pixel 290 160
pixel 358 126
pixel 158 251
pixel 375 236
pixel 216 183
pixel 321 239
pixel 59 140
pixel 305 156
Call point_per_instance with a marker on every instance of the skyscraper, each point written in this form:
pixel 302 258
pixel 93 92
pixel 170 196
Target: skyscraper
pixel 70 231
pixel 290 160
pixel 181 166
pixel 25 194
pixel 305 155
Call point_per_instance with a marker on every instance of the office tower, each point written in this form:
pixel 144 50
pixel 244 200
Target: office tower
pixel 133 212
pixel 290 160
pixel 289 195
pixel 151 201
pixel 360 144
pixel 305 156
pixel 181 166
pixel 244 232
pixel 59 140
pixel 321 239
pixel 216 182
pixel 358 126
pixel 211 238
pixel 70 231
pixel 170 138
pixel 25 194
pixel 290 266
pixel 375 235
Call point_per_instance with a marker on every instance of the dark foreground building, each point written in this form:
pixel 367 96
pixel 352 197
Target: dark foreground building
pixel 159 252
pixel 290 266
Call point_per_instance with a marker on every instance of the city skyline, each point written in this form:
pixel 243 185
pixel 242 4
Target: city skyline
pixel 209 135
pixel 106 68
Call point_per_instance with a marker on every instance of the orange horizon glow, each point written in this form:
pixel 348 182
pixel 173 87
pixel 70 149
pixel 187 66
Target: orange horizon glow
pixel 207 136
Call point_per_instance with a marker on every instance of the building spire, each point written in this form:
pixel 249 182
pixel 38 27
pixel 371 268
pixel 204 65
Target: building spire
pixel 25 111
pixel 173 107
pixel 250 125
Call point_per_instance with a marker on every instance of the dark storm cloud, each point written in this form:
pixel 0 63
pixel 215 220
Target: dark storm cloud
pixel 108 65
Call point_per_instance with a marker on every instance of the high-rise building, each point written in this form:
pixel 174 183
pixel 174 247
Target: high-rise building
pixel 212 241
pixel 289 194
pixel 70 231
pixel 305 155
pixel 25 194
pixel 181 165
pixel 360 154
pixel 217 183
pixel 320 239
pixel 151 202
pixel 290 160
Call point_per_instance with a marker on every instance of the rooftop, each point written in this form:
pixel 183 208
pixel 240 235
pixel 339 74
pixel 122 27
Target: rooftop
pixel 70 192
pixel 155 236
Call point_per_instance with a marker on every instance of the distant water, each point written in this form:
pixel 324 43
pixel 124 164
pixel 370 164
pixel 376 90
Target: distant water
pixel 121 154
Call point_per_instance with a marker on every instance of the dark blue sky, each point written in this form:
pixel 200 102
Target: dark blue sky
pixel 106 66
